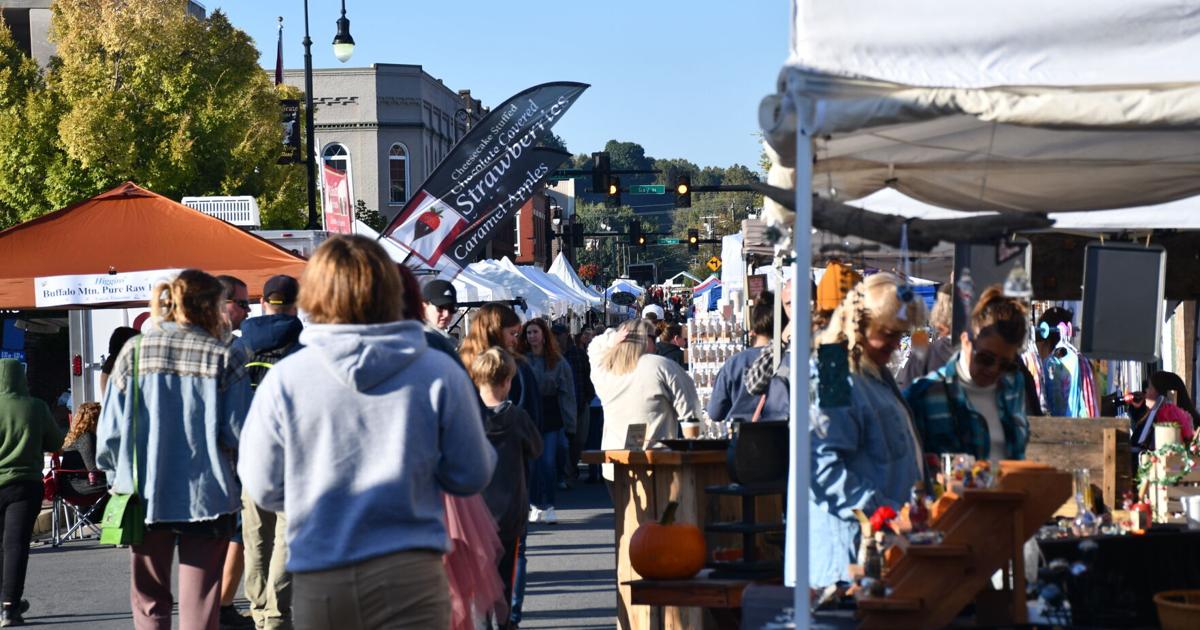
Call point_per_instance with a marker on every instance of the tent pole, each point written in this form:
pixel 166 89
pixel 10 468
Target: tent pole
pixel 798 482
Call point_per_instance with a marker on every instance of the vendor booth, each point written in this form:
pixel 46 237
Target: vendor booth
pixel 980 108
pixel 108 251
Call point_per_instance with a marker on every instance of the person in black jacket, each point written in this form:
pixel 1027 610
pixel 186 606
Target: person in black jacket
pixel 270 338
pixel 672 344
pixel 517 442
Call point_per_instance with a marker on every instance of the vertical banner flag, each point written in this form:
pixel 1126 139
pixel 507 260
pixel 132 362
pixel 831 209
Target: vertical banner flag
pixel 335 201
pixel 487 176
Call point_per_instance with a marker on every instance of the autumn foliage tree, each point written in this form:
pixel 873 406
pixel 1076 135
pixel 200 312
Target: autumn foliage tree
pixel 142 91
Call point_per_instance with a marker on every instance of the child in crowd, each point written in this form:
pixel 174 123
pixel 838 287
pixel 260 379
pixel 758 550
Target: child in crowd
pixel 517 442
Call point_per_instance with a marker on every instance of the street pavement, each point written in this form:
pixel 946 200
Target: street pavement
pixel 572 574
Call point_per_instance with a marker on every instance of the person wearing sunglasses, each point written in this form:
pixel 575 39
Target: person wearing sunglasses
pixel 237 301
pixel 975 403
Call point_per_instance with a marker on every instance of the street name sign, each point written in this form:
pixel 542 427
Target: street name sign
pixel 651 189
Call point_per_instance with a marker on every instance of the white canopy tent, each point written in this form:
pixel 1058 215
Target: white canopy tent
pixel 496 273
pixel 626 286
pixel 562 270
pixel 1019 105
pixel 469 286
pixel 1182 214
pixel 473 288
pixel 575 302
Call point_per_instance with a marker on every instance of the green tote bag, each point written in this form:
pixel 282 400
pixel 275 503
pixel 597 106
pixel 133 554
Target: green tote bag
pixel 124 521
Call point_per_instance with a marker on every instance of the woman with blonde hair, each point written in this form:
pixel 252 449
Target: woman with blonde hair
pixel 636 385
pixel 865 451
pixel 934 353
pixel 168 432
pixel 355 437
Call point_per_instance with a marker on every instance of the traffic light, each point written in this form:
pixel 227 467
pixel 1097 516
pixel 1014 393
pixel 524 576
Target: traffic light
pixel 600 171
pixel 635 234
pixel 693 240
pixel 683 191
pixel 577 234
pixel 612 196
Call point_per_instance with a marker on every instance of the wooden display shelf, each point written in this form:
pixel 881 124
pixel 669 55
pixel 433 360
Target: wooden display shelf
pixel 654 457
pixel 983 531
pixel 643 483
pixel 700 592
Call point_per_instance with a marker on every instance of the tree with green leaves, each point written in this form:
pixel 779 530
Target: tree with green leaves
pixel 141 91
pixel 371 218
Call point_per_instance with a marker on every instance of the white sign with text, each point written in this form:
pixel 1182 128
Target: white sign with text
pixel 106 288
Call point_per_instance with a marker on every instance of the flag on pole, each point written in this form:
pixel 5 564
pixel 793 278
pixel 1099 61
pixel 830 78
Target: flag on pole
pixel 335 200
pixel 486 178
pixel 279 55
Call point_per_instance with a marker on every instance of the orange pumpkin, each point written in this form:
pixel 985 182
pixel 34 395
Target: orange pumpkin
pixel 667 550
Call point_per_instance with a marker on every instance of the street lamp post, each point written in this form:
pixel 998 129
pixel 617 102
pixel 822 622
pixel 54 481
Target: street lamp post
pixel 343 47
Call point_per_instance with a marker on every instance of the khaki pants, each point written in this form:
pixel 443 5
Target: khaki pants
pixel 268 584
pixel 402 590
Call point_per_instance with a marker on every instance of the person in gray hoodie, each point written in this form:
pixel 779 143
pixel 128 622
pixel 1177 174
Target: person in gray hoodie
pixel 355 437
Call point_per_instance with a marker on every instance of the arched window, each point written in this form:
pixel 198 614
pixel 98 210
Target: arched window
pixel 336 157
pixel 398 174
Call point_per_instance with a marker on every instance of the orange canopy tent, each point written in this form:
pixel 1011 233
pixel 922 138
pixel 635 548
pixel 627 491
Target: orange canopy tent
pixel 132 229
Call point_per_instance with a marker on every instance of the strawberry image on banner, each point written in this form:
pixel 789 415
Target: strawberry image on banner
pixel 430 229
pixel 494 169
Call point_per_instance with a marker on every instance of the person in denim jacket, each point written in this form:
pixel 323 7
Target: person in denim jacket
pixel 865 450
pixel 192 396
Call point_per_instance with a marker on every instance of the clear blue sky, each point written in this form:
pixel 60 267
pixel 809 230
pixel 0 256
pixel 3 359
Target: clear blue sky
pixel 683 79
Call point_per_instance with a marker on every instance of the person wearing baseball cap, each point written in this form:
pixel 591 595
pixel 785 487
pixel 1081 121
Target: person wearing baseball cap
pixel 654 312
pixel 441 301
pixel 271 337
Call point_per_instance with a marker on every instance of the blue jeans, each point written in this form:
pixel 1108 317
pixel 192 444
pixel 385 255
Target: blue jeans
pixel 544 480
pixel 518 587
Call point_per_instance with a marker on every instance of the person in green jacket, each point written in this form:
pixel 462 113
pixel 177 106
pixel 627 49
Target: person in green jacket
pixel 27 430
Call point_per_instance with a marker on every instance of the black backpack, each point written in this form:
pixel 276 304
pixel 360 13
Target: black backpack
pixel 265 360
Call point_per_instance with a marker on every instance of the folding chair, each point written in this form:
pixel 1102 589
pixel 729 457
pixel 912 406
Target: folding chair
pixel 72 508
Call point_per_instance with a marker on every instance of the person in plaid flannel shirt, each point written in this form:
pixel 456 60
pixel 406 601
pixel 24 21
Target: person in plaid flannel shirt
pixel 976 402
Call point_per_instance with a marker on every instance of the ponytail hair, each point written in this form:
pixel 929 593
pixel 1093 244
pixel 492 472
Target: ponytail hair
pixel 998 314
pixel 193 297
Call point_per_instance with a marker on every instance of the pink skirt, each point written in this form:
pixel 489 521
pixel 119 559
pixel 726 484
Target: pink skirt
pixel 472 564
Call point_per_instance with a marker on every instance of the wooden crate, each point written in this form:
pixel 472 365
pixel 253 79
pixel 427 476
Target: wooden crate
pixel 1166 501
pixel 1100 445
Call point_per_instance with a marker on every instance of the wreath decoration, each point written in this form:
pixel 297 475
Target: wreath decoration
pixel 1188 454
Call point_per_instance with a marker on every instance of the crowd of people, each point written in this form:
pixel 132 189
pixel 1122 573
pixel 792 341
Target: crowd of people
pixel 360 468
pixel 364 468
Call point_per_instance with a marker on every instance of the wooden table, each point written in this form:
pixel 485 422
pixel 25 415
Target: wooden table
pixel 644 482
